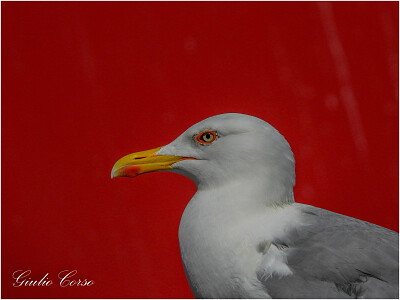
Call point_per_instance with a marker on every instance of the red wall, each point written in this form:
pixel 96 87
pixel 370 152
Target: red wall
pixel 86 83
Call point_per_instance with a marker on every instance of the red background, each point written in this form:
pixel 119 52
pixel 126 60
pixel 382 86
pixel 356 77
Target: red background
pixel 85 83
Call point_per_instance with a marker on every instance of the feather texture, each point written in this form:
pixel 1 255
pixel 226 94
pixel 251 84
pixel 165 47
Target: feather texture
pixel 243 236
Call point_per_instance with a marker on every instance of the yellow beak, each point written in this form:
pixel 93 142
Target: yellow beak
pixel 138 163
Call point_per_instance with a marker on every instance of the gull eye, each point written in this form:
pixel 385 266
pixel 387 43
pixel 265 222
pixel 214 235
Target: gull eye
pixel 206 137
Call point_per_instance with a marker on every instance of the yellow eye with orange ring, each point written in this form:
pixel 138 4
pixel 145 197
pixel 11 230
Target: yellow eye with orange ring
pixel 206 137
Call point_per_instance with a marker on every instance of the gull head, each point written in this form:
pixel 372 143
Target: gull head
pixel 221 150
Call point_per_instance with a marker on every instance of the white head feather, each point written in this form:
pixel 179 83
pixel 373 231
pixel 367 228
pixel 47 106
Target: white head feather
pixel 247 149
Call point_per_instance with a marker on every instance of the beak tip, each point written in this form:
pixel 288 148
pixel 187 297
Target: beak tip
pixel 114 173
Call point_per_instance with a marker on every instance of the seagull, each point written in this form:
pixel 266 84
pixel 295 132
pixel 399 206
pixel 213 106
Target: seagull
pixel 243 236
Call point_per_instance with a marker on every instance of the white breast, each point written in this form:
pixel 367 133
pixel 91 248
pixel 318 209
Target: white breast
pixel 219 238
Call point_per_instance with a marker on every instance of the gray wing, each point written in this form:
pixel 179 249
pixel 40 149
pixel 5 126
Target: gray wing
pixel 335 256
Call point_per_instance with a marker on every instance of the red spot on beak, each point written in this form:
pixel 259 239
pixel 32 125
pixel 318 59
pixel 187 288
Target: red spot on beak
pixel 129 171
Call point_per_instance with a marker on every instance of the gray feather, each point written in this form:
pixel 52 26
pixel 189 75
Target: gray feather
pixel 335 256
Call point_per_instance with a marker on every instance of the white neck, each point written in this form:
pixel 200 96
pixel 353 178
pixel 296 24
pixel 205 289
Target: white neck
pixel 218 226
pixel 255 191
